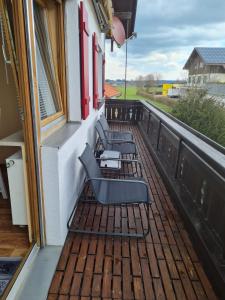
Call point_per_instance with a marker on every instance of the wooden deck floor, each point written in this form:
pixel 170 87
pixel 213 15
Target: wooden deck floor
pixel 14 241
pixel 162 266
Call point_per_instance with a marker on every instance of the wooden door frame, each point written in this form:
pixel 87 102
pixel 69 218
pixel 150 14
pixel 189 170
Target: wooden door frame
pixel 23 21
pixel 28 94
pixel 31 128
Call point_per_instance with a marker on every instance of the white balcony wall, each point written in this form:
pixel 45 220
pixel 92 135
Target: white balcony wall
pixel 63 174
pixel 217 77
pixel 201 79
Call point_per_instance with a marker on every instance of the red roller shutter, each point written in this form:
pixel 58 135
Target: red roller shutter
pixel 103 74
pixel 84 33
pixel 95 71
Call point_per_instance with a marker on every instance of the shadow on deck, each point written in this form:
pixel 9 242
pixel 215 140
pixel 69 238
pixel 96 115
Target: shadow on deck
pixel 162 266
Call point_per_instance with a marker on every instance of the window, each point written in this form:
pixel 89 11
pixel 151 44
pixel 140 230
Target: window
pixel 193 80
pixel 48 103
pixel 205 79
pixel 48 20
pixel 199 79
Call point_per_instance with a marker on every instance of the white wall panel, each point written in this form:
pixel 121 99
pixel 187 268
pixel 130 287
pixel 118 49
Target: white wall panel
pixel 63 174
pixel 72 60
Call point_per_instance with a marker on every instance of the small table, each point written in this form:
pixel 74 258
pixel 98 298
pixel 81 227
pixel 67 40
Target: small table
pixel 112 164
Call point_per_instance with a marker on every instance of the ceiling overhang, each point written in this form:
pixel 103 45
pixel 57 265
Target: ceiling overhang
pixel 126 12
pixel 116 17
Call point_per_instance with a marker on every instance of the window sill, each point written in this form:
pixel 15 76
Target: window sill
pixel 61 136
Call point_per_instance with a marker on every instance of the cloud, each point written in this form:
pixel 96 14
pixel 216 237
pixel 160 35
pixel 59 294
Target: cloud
pixel 168 64
pixel 167 33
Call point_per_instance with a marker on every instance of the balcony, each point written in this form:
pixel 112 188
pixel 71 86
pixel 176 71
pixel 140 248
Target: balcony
pixel 183 256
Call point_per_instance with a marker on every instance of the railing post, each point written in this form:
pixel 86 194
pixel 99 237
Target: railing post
pixel 178 158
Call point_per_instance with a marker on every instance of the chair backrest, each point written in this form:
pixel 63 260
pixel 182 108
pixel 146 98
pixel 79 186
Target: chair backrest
pixel 101 134
pixel 88 160
pixel 104 122
pixel 91 167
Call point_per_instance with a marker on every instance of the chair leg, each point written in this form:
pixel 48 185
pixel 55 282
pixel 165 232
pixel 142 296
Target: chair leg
pixel 112 234
pixel 147 208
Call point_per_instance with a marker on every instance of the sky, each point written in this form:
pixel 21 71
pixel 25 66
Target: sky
pixel 167 32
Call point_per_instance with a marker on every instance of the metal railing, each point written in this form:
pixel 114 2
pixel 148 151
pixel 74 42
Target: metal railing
pixel 193 167
pixel 123 111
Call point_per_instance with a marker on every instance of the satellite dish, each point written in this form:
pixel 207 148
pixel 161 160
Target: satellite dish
pixel 118 31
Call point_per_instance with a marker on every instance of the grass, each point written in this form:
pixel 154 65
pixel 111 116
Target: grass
pixel 155 90
pixel 161 106
pixel 132 95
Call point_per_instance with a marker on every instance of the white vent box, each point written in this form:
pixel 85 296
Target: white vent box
pixel 15 172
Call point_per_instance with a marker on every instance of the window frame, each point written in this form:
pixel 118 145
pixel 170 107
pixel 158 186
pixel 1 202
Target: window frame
pixel 61 70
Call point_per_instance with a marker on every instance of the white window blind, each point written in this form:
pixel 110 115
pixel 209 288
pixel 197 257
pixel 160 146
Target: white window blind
pixel 48 86
pixel 46 102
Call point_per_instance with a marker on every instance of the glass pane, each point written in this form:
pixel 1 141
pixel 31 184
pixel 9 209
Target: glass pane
pixel 46 102
pixel 49 92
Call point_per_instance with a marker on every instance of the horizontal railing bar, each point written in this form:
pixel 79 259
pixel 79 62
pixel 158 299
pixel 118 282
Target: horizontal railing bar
pixel 192 130
pixel 193 168
pixel 214 155
pixel 210 150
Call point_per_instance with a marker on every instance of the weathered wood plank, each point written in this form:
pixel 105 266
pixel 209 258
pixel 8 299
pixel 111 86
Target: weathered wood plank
pixel 68 275
pixel 162 266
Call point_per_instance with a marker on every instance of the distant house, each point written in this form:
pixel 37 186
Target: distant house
pixel 111 91
pixel 206 66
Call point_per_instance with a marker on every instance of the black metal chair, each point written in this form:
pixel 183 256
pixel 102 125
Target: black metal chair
pixel 111 134
pixel 123 146
pixel 109 191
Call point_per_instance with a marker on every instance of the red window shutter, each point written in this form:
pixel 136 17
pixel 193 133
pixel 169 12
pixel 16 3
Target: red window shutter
pixel 84 34
pixel 103 74
pixel 95 71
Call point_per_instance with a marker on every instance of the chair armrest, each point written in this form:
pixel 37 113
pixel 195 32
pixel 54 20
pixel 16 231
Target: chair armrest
pixel 118 141
pixel 119 159
pixel 117 180
pixel 112 131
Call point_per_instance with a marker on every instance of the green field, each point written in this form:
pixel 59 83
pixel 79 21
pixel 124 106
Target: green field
pixel 132 95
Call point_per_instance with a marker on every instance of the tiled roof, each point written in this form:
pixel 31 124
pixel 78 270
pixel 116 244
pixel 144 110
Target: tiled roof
pixel 111 91
pixel 209 55
pixel 212 55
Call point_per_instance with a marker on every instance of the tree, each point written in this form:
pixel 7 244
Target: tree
pixel 140 82
pixel 149 82
pixel 157 77
pixel 203 113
